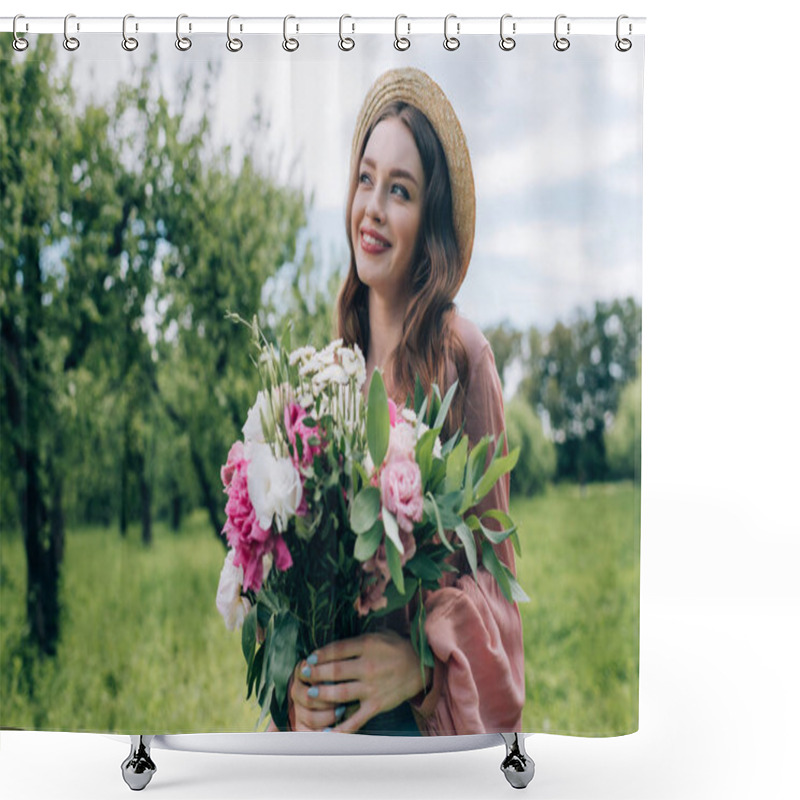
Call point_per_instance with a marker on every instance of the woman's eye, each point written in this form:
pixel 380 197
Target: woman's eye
pixel 363 177
pixel 401 190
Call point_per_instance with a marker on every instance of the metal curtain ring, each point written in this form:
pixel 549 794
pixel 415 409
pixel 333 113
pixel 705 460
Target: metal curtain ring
pixel 128 42
pixel 401 42
pixel 289 44
pixel 345 42
pixel 623 45
pixel 507 42
pixel 19 44
pixel 561 43
pixel 183 43
pixel 70 42
pixel 233 45
pixel 451 42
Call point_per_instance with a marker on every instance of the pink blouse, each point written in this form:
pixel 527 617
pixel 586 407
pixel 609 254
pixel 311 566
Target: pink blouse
pixel 475 634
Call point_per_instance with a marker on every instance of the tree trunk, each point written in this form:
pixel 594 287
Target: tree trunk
pixel 145 498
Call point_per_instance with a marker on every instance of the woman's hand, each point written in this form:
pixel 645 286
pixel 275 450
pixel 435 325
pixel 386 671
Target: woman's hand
pixel 378 670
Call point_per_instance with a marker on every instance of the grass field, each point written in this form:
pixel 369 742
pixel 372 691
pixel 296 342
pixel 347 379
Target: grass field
pixel 143 648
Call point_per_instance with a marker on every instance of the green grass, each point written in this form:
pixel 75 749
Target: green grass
pixel 580 567
pixel 143 647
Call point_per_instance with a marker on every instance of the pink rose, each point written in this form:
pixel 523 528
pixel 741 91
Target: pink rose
pixel 249 541
pixel 392 412
pixel 401 493
pixel 293 416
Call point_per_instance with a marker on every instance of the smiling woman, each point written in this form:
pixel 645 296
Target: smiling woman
pixel 410 225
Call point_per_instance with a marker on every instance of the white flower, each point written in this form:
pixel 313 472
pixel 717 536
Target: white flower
pixel 409 415
pixel 302 354
pixel 274 486
pixel 402 440
pixel 252 428
pixel 230 603
pixel 329 375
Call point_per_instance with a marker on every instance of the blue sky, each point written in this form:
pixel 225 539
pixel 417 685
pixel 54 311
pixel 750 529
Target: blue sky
pixel 555 141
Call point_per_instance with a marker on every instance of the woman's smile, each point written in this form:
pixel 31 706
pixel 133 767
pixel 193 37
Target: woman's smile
pixel 373 242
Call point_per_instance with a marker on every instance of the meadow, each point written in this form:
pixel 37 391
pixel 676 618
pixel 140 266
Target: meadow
pixel 143 648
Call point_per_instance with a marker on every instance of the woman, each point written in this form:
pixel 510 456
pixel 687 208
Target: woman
pixel 410 225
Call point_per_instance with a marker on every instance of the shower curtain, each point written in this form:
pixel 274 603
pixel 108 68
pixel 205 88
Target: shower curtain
pixel 321 382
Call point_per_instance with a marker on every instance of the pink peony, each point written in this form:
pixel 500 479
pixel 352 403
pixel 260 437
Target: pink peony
pixel 401 492
pixel 402 442
pixel 293 416
pixel 249 541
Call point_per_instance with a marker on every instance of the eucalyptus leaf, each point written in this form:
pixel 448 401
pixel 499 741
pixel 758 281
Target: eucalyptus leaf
pixel 424 567
pixel 365 509
pixel 367 543
pixel 456 464
pixel 496 470
pixel 249 635
pixel 283 653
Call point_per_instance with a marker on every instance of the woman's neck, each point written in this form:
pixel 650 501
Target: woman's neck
pixel 385 331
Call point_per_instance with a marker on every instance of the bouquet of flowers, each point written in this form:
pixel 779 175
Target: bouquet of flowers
pixel 340 511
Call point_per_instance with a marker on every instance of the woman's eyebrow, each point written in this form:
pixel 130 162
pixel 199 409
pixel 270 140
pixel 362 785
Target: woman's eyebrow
pixel 397 172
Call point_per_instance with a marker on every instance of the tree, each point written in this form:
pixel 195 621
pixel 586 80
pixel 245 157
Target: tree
pixel 623 439
pixel 537 457
pixel 574 376
pixel 506 342
pixel 59 230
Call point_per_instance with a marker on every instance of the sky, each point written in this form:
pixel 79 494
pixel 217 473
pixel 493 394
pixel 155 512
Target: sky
pixel 555 141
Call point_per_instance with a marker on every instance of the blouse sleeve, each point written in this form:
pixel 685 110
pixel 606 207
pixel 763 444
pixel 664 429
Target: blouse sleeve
pixel 478 683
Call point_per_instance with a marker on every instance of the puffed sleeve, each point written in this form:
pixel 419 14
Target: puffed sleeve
pixel 478 683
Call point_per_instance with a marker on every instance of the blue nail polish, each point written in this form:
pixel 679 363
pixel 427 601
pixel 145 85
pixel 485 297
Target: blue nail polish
pixel 340 712
pixel 313 691
pixel 327 730
pixel 312 659
pixel 306 672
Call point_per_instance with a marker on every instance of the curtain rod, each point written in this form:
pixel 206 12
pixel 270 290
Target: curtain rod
pixel 461 26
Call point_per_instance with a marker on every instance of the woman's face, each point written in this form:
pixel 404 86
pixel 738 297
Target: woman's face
pixel 387 209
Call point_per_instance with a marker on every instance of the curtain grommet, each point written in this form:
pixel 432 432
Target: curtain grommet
pixel 19 44
pixel 561 43
pixel 183 43
pixel 129 43
pixel 401 43
pixel 507 43
pixel 451 43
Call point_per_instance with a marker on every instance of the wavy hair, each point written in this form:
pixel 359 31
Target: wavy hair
pixel 429 341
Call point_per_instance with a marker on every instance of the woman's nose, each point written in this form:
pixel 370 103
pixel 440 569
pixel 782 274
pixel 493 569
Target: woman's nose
pixel 376 205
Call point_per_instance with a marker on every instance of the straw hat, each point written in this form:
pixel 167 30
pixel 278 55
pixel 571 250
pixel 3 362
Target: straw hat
pixel 414 87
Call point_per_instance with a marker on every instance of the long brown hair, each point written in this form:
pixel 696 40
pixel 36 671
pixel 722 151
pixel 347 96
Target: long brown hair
pixel 429 341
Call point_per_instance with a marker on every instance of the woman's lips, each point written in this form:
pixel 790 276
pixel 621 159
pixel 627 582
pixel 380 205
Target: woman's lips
pixel 372 242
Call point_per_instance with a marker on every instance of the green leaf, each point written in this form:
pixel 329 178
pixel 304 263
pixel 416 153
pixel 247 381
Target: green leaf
pixel 365 509
pixel 424 567
pixel 495 537
pixel 468 540
pixel 419 397
pixel 431 508
pixel 378 425
pixel 254 671
pixel 249 636
pixel 395 566
pixel 456 464
pixel 367 543
pixel 392 531
pixel 445 407
pixel 498 468
pixel 509 526
pixel 283 653
pixel 508 584
pixel 475 467
pixel 424 452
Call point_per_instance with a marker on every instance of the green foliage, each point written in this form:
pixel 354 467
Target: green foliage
pixel 573 377
pixel 506 342
pixel 623 441
pixel 377 419
pixel 537 454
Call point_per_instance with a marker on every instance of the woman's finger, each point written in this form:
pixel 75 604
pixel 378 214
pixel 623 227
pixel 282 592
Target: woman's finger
pixel 336 694
pixel 307 720
pixel 350 669
pixel 366 711
pixel 338 651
